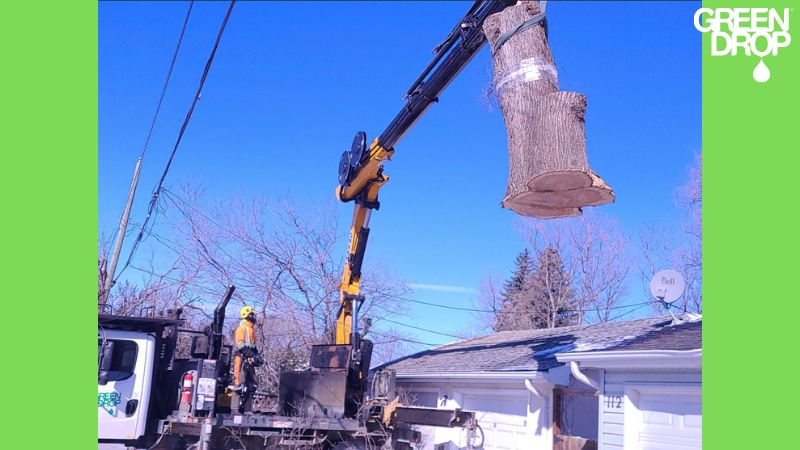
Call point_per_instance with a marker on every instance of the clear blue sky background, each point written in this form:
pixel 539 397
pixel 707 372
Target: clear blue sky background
pixel 292 82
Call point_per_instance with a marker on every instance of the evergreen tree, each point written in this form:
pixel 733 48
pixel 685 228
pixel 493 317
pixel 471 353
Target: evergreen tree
pixel 521 275
pixel 538 294
pixel 510 316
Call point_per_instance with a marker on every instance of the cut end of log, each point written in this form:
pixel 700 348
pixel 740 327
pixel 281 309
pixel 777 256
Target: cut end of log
pixel 563 202
pixel 565 189
pixel 522 205
pixel 561 180
pixel 574 198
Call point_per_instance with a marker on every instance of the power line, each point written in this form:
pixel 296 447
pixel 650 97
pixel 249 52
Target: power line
pixel 196 96
pixel 158 188
pixel 493 312
pixel 163 92
pixel 175 199
pixel 421 329
pixel 320 315
pixel 207 254
pixel 642 305
pixel 169 75
pixel 317 315
pixel 412 341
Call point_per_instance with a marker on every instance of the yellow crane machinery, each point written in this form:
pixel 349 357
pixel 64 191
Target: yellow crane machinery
pixel 361 169
pixel 362 186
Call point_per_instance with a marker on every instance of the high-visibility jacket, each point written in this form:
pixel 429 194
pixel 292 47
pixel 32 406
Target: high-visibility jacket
pixel 244 337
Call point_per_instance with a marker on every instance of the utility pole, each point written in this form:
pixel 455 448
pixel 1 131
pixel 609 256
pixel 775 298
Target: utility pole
pixel 123 224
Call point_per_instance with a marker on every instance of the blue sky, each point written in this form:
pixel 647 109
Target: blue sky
pixel 292 82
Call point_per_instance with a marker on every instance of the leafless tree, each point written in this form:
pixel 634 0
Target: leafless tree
pixel 551 289
pixel 682 251
pixel 595 253
pixel 654 250
pixel 160 290
pixel 488 305
pixel 285 263
pixel 690 256
pixel 600 252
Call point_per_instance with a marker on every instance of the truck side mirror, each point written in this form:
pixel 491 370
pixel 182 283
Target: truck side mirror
pixel 106 355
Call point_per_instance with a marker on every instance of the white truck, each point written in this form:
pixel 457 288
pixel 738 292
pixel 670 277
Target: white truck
pixel 149 399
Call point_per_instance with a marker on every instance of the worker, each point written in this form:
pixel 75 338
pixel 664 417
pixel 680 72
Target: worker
pixel 247 358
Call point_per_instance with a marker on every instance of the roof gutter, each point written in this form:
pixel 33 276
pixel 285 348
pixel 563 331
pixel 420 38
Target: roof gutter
pixel 635 359
pixel 470 376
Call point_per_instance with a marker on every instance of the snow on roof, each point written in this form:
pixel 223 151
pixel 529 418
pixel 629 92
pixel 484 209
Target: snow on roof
pixel 535 350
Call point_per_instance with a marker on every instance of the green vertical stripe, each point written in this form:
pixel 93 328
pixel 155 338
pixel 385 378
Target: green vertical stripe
pixel 750 143
pixel 48 180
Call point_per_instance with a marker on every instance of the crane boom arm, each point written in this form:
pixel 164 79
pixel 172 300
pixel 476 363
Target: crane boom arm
pixel 361 168
pixel 452 59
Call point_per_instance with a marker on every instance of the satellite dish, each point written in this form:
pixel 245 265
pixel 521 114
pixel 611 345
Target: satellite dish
pixel 667 286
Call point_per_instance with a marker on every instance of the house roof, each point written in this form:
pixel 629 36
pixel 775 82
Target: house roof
pixel 535 350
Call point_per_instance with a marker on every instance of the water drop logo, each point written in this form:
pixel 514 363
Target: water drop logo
pixel 752 31
pixel 761 72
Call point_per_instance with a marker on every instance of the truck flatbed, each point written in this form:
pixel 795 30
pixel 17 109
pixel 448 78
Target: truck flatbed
pixel 261 422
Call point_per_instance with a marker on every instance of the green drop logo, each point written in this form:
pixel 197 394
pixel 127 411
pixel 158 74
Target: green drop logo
pixel 761 72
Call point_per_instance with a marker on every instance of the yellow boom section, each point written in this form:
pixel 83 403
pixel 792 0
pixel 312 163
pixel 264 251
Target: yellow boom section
pixel 363 188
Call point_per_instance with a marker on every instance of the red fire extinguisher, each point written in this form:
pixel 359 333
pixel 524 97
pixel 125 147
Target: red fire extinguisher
pixel 186 389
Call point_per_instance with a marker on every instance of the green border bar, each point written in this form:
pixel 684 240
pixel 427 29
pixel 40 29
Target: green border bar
pixel 49 185
pixel 48 180
pixel 750 144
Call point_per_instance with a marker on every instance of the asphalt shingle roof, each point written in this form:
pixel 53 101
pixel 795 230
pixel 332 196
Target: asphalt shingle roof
pixel 535 350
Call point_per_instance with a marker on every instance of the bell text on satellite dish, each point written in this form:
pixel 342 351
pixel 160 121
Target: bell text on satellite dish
pixel 667 286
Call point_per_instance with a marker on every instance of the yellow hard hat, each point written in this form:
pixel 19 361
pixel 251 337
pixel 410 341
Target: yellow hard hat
pixel 246 311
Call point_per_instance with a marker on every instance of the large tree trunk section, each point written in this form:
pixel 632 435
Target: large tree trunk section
pixel 549 173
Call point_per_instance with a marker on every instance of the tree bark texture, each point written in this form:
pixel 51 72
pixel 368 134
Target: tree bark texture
pixel 549 173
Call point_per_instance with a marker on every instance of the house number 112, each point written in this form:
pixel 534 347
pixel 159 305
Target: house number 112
pixel 614 402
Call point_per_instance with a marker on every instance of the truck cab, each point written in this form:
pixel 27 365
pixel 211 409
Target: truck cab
pixel 131 353
pixel 123 389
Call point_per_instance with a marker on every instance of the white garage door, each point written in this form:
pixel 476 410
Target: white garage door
pixel 669 421
pixel 503 419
